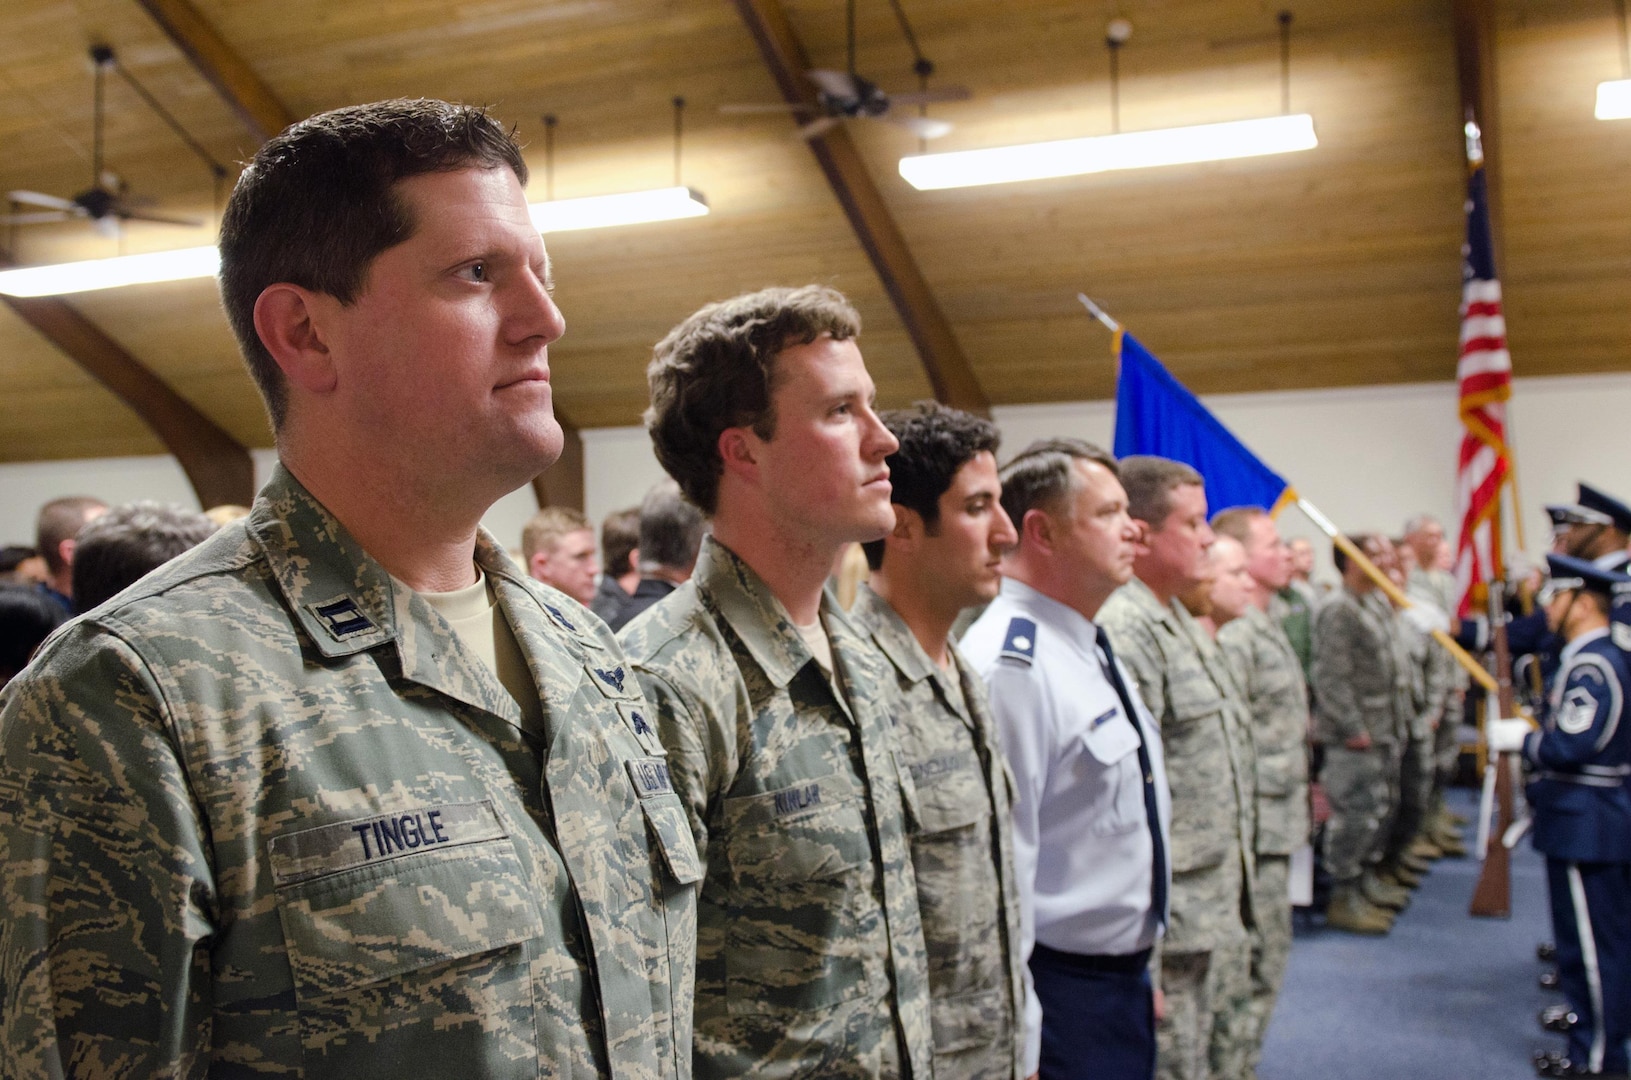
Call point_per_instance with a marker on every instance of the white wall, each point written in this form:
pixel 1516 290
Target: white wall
pixel 1367 456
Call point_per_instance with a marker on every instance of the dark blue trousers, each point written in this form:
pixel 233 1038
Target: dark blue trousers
pixel 1098 1015
pixel 1591 918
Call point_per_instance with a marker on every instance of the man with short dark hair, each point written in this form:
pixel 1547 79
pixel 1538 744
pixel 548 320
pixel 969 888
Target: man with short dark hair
pixel 945 555
pixel 1205 959
pixel 619 573
pixel 1090 803
pixel 117 548
pixel 773 706
pixel 671 532
pixel 341 792
pixel 559 547
pixel 55 535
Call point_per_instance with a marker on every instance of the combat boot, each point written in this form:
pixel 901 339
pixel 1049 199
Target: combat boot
pixel 1383 895
pixel 1350 911
pixel 1426 848
pixel 1396 874
pixel 1411 861
pixel 1448 839
pixel 1459 821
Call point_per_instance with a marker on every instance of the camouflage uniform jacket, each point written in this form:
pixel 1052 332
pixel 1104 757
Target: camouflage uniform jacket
pixel 810 954
pixel 1410 679
pixel 1208 769
pixel 962 849
pixel 263 814
pixel 1437 587
pixel 1267 668
pixel 1356 672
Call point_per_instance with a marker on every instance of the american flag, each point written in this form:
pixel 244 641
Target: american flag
pixel 1485 375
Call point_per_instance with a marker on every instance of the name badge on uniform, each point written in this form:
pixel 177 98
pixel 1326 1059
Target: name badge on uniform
pixel 1103 718
pixel 345 845
pixel 650 777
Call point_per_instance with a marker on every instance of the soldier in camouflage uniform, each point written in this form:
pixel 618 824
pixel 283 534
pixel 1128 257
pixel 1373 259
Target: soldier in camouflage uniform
pixel 272 812
pixel 1357 717
pixel 1270 674
pixel 1430 585
pixel 773 706
pixel 1207 739
pixel 943 556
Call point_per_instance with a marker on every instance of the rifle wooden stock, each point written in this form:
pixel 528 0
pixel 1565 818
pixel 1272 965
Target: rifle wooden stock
pixel 1492 899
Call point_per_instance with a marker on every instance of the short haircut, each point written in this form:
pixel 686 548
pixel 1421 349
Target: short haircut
pixel 1236 522
pixel 548 526
pixel 1339 558
pixel 1418 523
pixel 935 443
pixel 27 617
pixel 671 529
pixel 1042 477
pixel 619 536
pixel 717 370
pixel 59 520
pixel 130 541
pixel 1150 482
pixel 318 203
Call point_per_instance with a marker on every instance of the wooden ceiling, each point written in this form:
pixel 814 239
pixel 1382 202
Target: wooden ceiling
pixel 1333 267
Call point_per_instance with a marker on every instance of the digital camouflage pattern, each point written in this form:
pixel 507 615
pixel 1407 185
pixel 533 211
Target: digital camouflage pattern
pixel 264 815
pixel 1437 587
pixel 1267 668
pixel 1206 736
pixel 810 954
pixel 962 850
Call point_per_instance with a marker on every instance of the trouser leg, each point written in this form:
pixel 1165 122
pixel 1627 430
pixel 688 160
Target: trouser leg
pixel 1096 1025
pixel 1591 918
pixel 1182 1040
pixel 1415 779
pixel 1356 789
pixel 1271 944
pixel 1229 1051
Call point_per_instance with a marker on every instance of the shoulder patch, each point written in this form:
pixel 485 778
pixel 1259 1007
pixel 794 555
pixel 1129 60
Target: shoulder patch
pixel 1019 640
pixel 560 618
pixel 1620 634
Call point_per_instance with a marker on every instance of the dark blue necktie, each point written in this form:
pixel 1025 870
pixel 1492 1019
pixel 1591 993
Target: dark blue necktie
pixel 1158 885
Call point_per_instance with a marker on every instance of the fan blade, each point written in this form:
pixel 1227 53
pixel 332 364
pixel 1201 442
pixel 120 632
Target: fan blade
pixel 921 126
pixel 125 212
pixel 839 84
pixel 929 97
pixel 37 217
pixel 819 127
pixel 767 108
pixel 34 198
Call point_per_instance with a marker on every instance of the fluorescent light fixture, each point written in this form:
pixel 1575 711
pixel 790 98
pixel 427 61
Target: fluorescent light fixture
pixel 559 215
pixel 630 208
pixel 73 277
pixel 1614 100
pixel 1102 153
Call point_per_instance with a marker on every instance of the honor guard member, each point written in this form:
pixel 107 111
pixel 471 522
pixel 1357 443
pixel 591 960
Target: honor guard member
pixel 774 707
pixel 1208 766
pixel 1271 675
pixel 341 792
pixel 1581 760
pixel 1091 807
pixel 943 556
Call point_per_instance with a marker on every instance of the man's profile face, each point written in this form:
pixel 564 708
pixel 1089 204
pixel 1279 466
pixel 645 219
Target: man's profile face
pixel 446 351
pixel 1232 591
pixel 1095 537
pixel 1268 559
pixel 1426 541
pixel 1302 557
pixel 1179 545
pixel 570 564
pixel 964 554
pixel 823 472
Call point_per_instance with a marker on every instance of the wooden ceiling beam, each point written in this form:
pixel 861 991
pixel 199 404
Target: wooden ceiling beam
pixel 245 94
pixel 217 465
pixel 562 483
pixel 950 375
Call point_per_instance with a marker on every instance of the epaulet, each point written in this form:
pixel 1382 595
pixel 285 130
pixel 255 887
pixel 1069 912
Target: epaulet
pixel 1019 641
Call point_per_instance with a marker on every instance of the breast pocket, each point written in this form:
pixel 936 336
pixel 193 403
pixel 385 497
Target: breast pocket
pixel 801 863
pixel 1110 747
pixel 416 953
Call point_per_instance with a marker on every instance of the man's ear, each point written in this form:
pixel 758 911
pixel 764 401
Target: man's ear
pixel 1141 542
pixel 1037 528
pixel 536 564
pixel 66 549
pixel 738 452
pixel 288 321
pixel 909 528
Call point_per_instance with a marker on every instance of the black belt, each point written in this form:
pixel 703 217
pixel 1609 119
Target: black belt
pixel 1121 964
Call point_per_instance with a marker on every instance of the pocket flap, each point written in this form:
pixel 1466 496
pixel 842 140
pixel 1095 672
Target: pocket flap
pixel 671 832
pixel 967 1020
pixel 1111 737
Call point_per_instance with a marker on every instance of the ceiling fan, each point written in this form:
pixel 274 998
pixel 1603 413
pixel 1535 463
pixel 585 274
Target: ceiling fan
pixel 105 203
pixel 845 95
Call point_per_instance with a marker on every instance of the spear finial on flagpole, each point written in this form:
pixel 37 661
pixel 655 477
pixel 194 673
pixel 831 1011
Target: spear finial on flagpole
pixel 1098 313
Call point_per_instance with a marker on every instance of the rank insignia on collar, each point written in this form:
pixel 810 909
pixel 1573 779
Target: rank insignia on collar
pixel 1019 643
pixel 613 677
pixel 560 618
pixel 341 617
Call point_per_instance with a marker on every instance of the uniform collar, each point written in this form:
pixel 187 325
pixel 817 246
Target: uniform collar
pixel 1579 643
pixel 1056 616
pixel 1144 598
pixel 873 613
pixel 745 602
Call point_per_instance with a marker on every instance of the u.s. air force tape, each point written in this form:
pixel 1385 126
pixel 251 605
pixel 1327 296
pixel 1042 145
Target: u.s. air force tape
pixel 343 845
pixel 650 778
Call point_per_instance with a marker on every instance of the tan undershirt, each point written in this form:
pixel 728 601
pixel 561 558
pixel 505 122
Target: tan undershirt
pixel 475 616
pixel 820 645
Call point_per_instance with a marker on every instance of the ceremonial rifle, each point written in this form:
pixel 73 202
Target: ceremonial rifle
pixel 1492 899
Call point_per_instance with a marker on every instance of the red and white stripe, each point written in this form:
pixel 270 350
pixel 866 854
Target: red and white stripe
pixel 1485 375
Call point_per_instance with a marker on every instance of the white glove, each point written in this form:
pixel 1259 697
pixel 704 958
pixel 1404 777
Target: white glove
pixel 1427 617
pixel 1507 736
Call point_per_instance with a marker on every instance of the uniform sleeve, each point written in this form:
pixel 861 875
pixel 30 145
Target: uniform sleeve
pixel 107 901
pixel 1587 715
pixel 1027 736
pixel 1240 655
pixel 683 727
pixel 1336 637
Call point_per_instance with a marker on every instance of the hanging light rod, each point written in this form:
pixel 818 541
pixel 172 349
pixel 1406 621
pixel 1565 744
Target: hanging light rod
pixel 1614 96
pixel 1107 153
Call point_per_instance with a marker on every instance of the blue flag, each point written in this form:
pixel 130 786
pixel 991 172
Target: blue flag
pixel 1156 415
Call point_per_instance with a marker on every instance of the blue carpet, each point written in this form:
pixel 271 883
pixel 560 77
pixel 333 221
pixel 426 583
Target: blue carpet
pixel 1444 996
